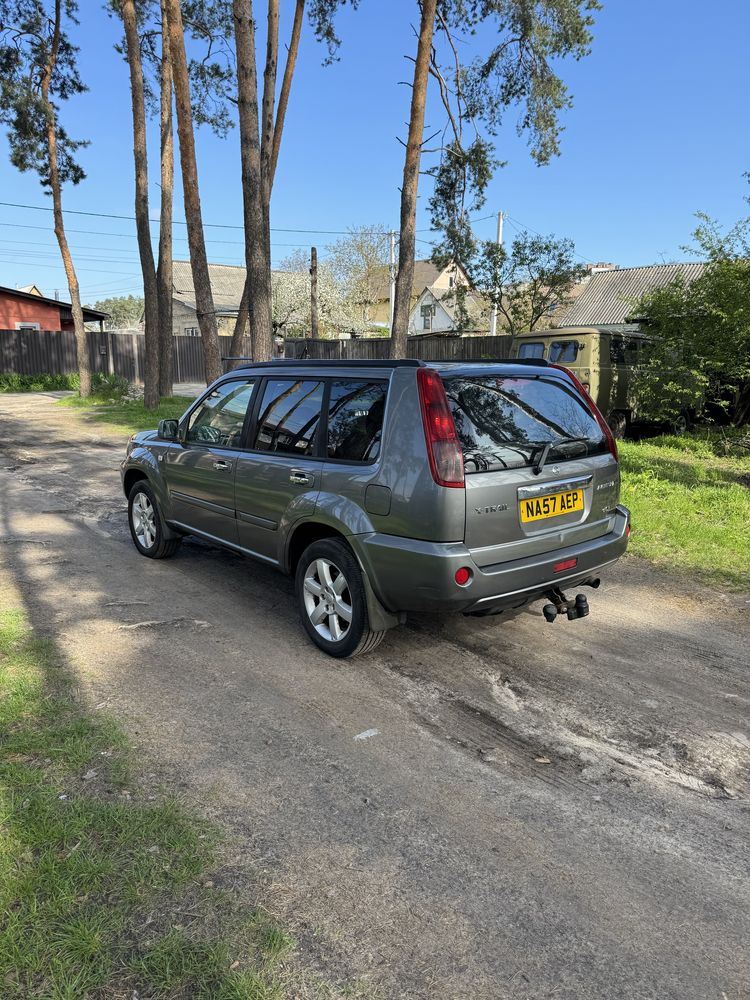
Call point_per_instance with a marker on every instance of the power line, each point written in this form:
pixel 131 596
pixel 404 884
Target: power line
pixel 132 236
pixel 519 227
pixel 179 222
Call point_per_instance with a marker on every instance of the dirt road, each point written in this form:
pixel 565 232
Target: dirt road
pixel 481 809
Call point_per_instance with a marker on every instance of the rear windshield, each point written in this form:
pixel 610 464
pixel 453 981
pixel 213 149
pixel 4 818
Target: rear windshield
pixel 504 423
pixel 535 349
pixel 563 352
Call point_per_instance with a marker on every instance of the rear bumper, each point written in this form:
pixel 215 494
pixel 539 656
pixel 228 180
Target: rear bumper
pixel 410 575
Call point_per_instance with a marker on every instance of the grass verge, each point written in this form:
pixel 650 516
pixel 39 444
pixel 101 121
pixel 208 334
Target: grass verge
pixel 129 414
pixel 104 895
pixel 690 500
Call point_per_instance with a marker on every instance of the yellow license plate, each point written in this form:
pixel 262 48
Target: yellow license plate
pixel 552 505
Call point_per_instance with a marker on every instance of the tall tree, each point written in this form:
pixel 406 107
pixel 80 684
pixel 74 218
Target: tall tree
pixel 516 70
pixel 360 262
pixel 142 215
pixel 529 280
pixel 204 301
pixel 164 267
pixel 38 68
pixel 125 311
pixel 261 120
pixel 410 182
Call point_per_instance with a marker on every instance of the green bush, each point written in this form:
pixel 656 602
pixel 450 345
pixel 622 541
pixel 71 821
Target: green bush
pixel 101 385
pixel 42 382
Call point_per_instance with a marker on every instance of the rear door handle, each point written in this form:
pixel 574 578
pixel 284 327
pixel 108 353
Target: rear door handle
pixel 300 478
pixel 222 466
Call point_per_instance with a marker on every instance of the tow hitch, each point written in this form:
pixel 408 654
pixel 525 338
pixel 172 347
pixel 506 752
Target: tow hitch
pixel 577 607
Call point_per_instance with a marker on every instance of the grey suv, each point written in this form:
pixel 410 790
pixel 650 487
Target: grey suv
pixel 390 487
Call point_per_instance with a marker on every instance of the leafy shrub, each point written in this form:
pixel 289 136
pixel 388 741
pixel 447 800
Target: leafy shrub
pixel 42 382
pixel 111 386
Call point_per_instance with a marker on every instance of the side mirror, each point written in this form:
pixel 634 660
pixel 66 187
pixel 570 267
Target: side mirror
pixel 168 430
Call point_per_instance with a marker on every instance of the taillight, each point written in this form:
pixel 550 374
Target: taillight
pixel 610 438
pixel 443 448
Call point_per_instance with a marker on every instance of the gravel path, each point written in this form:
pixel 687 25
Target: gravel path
pixel 482 809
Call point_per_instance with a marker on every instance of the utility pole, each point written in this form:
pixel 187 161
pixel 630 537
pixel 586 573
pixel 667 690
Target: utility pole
pixel 499 241
pixel 392 276
pixel 313 292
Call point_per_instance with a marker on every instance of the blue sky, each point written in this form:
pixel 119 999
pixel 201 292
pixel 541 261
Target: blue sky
pixel 658 130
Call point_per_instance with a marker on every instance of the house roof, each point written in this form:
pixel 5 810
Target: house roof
pixel 227 282
pixel 425 274
pixel 607 298
pixel 88 314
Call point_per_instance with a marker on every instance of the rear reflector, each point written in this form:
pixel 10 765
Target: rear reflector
pixel 463 576
pixel 627 531
pixel 443 447
pixel 565 564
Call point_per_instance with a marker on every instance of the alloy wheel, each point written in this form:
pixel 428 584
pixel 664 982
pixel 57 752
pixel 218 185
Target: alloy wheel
pixel 144 520
pixel 328 600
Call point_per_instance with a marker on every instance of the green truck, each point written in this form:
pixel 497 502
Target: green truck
pixel 603 360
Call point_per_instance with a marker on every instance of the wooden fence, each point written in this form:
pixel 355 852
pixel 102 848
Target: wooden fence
pixel 31 352
pixel 435 348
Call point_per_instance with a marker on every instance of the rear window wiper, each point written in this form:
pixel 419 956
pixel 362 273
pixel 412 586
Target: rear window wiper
pixel 539 464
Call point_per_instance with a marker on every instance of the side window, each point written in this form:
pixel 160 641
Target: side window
pixel 617 351
pixel 563 352
pixel 289 416
pixel 355 420
pixel 220 417
pixel 533 350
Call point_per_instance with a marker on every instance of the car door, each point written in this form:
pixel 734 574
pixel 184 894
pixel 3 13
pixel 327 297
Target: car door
pixel 278 476
pixel 200 469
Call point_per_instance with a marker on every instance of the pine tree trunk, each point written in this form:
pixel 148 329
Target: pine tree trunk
pixel 142 223
pixel 237 349
pixel 164 268
pixel 409 187
pixel 257 244
pixel 82 344
pixel 204 302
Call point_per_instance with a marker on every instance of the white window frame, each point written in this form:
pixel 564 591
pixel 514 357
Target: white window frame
pixel 28 326
pixel 191 331
pixel 427 311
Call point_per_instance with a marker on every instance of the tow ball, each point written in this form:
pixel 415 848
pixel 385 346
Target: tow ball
pixel 577 607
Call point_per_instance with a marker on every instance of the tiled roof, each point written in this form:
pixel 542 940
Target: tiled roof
pixel 608 297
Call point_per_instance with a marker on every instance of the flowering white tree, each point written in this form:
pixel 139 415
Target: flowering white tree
pixel 291 301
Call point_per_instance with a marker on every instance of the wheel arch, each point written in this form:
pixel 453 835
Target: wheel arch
pixel 304 534
pixel 131 477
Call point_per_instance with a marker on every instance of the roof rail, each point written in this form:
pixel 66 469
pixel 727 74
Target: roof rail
pixel 337 363
pixel 533 362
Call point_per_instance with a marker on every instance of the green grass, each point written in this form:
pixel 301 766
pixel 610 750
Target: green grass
pixel 104 894
pixel 130 415
pixel 690 500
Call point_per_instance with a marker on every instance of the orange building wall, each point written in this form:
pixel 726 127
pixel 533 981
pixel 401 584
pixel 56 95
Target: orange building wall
pixel 18 310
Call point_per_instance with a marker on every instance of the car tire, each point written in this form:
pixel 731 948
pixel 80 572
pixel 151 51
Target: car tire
pixel 618 424
pixel 681 424
pixel 332 601
pixel 146 523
